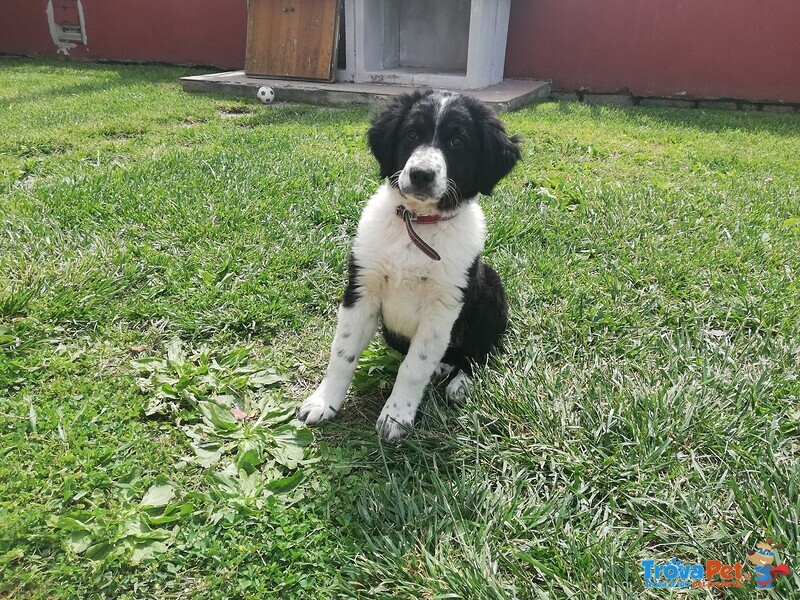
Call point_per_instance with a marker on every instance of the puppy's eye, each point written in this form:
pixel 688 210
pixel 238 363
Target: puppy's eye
pixel 457 141
pixel 412 135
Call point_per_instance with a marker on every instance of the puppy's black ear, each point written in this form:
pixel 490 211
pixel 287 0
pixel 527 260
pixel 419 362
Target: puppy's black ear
pixel 382 133
pixel 500 153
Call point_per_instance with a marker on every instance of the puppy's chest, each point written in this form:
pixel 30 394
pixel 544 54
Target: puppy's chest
pixel 399 271
pixel 409 297
pixel 408 284
pixel 386 281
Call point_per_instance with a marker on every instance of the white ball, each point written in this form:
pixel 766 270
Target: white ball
pixel 266 94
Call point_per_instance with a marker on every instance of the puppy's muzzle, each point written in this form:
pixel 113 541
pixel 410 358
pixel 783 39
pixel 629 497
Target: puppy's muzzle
pixel 425 174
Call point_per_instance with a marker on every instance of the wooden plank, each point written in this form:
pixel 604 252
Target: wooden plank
pixel 292 38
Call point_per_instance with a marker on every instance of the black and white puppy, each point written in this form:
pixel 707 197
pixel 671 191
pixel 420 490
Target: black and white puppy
pixel 414 266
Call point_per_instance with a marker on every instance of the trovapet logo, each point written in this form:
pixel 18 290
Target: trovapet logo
pixel 676 574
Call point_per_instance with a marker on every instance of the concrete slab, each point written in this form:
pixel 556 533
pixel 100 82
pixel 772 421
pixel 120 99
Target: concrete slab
pixel 511 94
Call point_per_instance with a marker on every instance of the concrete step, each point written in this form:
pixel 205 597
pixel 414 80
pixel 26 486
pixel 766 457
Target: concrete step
pixel 511 94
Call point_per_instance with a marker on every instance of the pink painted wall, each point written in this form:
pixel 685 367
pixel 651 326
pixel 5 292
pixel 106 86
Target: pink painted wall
pixel 743 49
pixel 205 32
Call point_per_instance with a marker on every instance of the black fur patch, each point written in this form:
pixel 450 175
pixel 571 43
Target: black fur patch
pixel 399 342
pixel 351 292
pixel 483 319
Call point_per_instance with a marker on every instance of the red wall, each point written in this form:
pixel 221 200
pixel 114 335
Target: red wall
pixel 204 32
pixel 743 49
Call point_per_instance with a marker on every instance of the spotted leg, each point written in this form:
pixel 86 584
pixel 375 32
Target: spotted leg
pixel 426 349
pixel 356 325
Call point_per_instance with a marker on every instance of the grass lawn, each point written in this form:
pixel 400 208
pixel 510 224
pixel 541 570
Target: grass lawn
pixel 165 257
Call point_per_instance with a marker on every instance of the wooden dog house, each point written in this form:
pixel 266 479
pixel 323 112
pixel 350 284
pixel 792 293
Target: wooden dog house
pixel 457 44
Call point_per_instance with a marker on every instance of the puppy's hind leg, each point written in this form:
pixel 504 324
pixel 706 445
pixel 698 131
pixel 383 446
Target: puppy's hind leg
pixel 458 388
pixel 356 325
pixel 442 371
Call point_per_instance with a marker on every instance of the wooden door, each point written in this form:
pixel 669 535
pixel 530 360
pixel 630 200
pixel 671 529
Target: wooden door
pixel 292 38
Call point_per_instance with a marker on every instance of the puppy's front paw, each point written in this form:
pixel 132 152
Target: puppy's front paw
pixel 393 425
pixel 316 408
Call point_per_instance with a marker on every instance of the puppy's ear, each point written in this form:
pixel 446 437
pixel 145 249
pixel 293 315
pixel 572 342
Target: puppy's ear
pixel 499 154
pixel 382 134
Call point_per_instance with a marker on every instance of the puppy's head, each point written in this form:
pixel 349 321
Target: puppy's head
pixel 441 148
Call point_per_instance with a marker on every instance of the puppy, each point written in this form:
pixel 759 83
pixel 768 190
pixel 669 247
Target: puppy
pixel 414 266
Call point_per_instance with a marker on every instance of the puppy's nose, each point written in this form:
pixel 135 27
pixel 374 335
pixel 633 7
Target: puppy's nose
pixel 421 176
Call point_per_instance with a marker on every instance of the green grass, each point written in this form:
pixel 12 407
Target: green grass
pixel 646 405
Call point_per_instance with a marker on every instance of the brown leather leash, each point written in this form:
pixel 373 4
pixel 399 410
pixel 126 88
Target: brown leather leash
pixel 410 217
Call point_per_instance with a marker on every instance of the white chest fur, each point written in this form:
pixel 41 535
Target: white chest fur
pixel 409 285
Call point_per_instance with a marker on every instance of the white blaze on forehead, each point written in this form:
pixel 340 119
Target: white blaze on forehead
pixel 443 101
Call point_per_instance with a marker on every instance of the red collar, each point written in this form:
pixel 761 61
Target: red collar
pixel 401 211
pixel 411 217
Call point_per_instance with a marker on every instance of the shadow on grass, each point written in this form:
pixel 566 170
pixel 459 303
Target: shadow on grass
pixel 118 74
pixel 302 114
pixel 354 428
pixel 424 508
pixel 706 120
